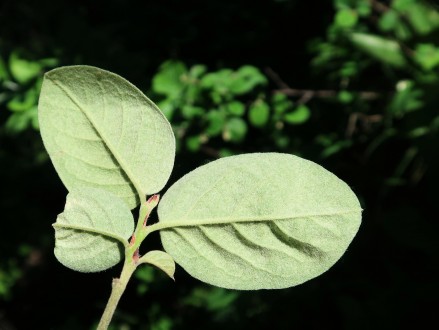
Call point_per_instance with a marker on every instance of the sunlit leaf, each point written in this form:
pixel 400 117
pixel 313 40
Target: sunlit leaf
pixel 299 115
pixel 235 130
pixel 427 55
pixel 258 221
pixel 346 18
pixel 259 113
pixel 384 50
pixel 168 80
pixel 101 131
pixel 23 70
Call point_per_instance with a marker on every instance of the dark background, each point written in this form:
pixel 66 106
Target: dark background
pixel 388 277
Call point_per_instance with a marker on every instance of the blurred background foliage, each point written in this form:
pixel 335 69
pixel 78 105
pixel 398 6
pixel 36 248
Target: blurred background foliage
pixel 350 84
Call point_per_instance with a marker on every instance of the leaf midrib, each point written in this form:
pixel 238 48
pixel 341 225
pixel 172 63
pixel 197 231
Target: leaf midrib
pixel 113 152
pixel 163 225
pixel 90 230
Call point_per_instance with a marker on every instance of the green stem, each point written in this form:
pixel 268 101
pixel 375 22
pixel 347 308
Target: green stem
pixel 118 288
pixel 131 261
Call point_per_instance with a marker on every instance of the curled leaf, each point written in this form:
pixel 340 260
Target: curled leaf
pixel 91 232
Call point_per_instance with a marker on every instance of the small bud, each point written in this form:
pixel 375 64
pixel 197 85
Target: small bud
pixel 136 256
pixel 151 203
pixel 133 240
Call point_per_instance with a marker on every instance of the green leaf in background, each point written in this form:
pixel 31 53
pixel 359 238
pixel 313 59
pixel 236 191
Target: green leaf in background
pixel 421 17
pixel 190 111
pixel 216 121
pixel 246 79
pixel 298 116
pixel 258 221
pixel 23 102
pixel 211 298
pixel 259 113
pixel 345 97
pixel 346 18
pixel 161 260
pixel 168 80
pixel 20 121
pixel 281 103
pixel 90 233
pixel 235 108
pixel 101 131
pixel 193 143
pixel 384 50
pixel 4 75
pixel 167 106
pixel 427 55
pixel 235 130
pixel 389 21
pixel 407 98
pixel 218 81
pixel 197 71
pixel 226 81
pixel 23 70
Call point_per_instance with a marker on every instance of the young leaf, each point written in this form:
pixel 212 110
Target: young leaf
pixel 91 229
pixel 161 260
pixel 101 131
pixel 258 221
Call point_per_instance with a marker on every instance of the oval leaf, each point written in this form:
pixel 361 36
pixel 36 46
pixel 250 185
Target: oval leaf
pixel 101 131
pixel 384 50
pixel 88 234
pixel 258 221
pixel 161 260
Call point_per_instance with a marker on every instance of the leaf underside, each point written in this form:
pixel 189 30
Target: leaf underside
pixel 161 260
pixel 90 233
pixel 101 131
pixel 258 221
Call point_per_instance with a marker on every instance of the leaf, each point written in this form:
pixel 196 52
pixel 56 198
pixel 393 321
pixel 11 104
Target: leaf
pixel 235 130
pixel 101 131
pixel 346 18
pixel 245 79
pixel 190 111
pixel 235 108
pixel 88 234
pixel 259 114
pixel 216 121
pixel 23 70
pixel 20 121
pixel 161 260
pixel 24 101
pixel 384 50
pixel 298 116
pixel 193 143
pixel 427 55
pixel 168 80
pixel 258 221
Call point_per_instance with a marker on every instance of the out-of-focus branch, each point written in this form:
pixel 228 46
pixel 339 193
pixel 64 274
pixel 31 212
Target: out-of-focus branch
pixel 306 95
pixel 378 6
pixel 309 93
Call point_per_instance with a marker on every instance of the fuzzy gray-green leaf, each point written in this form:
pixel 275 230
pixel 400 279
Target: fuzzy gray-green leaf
pixel 101 131
pixel 91 232
pixel 258 221
pixel 161 260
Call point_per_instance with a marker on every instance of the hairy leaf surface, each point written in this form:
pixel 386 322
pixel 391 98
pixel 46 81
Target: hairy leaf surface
pixel 101 131
pixel 161 260
pixel 258 221
pixel 90 233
